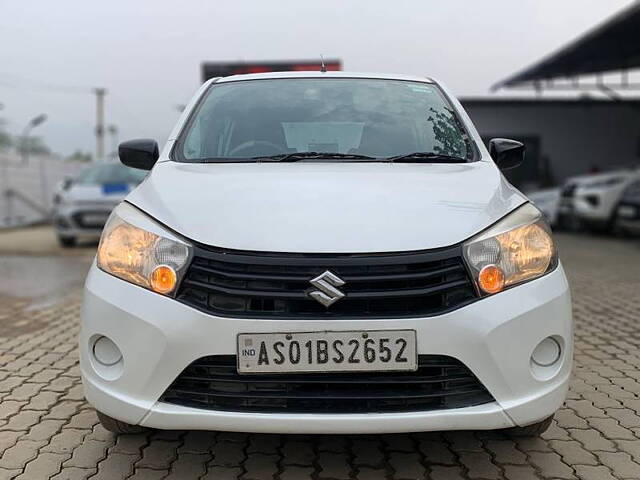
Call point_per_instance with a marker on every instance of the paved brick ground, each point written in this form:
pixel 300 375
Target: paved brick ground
pixel 48 431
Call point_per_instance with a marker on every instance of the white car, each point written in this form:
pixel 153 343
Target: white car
pixel 628 210
pixel 591 200
pixel 83 204
pixel 325 253
pixel 548 201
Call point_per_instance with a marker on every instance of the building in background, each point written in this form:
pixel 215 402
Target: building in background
pixel 224 69
pixel 595 129
pixel 564 137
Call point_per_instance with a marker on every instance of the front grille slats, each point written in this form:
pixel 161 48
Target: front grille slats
pixel 350 381
pixel 332 397
pixel 276 285
pixel 347 278
pixel 80 220
pixel 439 383
pixel 250 276
pixel 213 287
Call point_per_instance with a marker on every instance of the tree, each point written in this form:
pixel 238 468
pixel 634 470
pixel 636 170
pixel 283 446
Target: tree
pixel 79 156
pixel 31 145
pixel 5 138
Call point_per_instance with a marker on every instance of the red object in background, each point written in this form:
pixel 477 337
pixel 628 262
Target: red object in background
pixel 224 69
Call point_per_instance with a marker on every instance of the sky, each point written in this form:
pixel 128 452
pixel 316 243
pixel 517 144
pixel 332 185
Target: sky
pixel 147 53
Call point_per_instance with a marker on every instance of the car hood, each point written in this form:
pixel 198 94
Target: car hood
pixel 326 207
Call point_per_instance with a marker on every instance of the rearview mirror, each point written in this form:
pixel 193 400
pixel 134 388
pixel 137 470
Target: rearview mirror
pixel 141 153
pixel 506 153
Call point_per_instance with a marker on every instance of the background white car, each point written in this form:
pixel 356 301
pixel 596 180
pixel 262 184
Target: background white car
pixel 627 217
pixel 83 204
pixel 591 200
pixel 548 201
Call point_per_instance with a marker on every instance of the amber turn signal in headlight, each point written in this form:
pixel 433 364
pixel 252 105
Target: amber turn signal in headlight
pixel 517 249
pixel 163 279
pixel 491 279
pixel 142 257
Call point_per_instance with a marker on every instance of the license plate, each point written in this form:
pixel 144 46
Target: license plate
pixel 566 206
pixel 350 351
pixel 626 211
pixel 95 219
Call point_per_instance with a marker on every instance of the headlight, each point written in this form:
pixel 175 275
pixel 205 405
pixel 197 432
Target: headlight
pixel 136 249
pixel 61 201
pixel 517 249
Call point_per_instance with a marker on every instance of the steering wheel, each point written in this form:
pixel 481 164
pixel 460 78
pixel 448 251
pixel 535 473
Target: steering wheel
pixel 256 143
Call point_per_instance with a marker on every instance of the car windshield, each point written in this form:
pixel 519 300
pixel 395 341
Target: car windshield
pixel 110 173
pixel 352 117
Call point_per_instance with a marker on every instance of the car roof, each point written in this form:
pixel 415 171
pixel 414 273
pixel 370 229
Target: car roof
pixel 318 74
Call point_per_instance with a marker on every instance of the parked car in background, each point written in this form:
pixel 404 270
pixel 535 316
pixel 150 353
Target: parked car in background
pixel 627 217
pixel 548 201
pixel 590 200
pixel 83 203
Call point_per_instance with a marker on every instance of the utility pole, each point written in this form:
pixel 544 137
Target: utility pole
pixel 100 93
pixel 113 131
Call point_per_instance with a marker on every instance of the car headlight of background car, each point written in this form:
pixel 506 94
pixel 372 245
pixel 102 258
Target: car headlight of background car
pixel 136 249
pixel 517 249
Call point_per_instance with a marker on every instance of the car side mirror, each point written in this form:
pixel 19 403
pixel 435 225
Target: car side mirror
pixel 142 153
pixel 506 153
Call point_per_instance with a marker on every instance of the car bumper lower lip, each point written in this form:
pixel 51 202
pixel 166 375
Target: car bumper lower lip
pixel 494 337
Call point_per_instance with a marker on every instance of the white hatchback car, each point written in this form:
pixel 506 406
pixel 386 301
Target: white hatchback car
pixel 325 253
pixel 83 203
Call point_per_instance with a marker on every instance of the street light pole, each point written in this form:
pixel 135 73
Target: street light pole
pixel 100 93
pixel 34 122
pixel 113 131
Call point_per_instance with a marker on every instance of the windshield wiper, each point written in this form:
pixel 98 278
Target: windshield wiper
pixel 296 156
pixel 427 157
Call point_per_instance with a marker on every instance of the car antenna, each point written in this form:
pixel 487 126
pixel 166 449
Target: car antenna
pixel 323 67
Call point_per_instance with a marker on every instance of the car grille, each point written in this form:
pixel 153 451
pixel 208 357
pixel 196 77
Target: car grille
pixel 568 191
pixel 268 285
pixel 441 382
pixel 80 218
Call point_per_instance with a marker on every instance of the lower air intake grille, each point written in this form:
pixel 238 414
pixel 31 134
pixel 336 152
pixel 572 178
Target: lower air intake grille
pixel 213 383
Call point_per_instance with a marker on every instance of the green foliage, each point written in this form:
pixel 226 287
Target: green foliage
pixel 79 156
pixel 31 145
pixel 5 139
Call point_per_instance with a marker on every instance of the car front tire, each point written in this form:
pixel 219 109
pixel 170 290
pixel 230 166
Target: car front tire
pixel 117 426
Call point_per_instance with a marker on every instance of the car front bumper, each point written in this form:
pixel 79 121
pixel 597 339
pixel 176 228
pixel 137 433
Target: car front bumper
pixel 67 221
pixel 158 336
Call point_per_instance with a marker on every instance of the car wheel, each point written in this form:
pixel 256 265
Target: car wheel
pixel 67 242
pixel 117 426
pixel 533 430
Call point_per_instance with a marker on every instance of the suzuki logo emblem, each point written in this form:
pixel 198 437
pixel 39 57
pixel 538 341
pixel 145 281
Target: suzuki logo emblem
pixel 327 293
